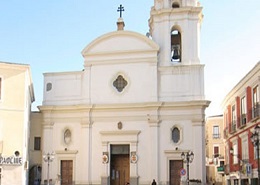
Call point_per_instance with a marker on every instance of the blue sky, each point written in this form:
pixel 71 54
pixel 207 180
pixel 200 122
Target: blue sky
pixel 50 35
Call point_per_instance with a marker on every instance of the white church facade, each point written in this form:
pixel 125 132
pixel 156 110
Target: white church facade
pixel 135 108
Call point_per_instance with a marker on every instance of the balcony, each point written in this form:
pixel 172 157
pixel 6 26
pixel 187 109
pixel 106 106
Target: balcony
pixel 243 120
pixel 216 136
pixel 256 110
pixel 233 126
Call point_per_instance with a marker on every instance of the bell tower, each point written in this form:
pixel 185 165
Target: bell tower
pixel 175 27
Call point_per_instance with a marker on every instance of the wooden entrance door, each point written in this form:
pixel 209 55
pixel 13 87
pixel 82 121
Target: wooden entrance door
pixel 66 172
pixel 175 167
pixel 120 169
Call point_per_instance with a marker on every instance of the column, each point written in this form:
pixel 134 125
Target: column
pixel 47 141
pixel 154 144
pixel 85 154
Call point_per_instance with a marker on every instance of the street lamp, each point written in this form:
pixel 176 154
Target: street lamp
pixel 48 158
pixel 255 141
pixel 187 158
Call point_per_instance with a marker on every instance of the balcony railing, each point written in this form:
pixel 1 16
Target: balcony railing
pixel 256 110
pixel 216 136
pixel 245 161
pixel 233 126
pixel 243 120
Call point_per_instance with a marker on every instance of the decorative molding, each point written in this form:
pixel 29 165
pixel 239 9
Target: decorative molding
pixel 173 154
pixel 234 139
pixel 127 132
pixel 134 157
pixel 120 125
pixel 130 34
pixel 128 136
pixel 198 122
pixel 151 60
pixel 66 151
pixel 47 125
pixel 105 158
pixel 243 134
pixel 86 124
pixel 193 12
pixel 153 120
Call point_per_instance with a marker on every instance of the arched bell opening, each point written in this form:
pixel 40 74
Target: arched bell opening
pixel 175 5
pixel 175 46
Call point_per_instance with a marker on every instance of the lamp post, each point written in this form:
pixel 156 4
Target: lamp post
pixel 187 158
pixel 48 158
pixel 255 141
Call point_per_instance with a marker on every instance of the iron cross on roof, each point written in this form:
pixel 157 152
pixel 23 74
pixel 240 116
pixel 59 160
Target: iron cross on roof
pixel 120 9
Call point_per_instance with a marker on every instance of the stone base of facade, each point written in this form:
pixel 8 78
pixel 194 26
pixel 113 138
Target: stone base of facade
pixel 105 180
pixel 134 180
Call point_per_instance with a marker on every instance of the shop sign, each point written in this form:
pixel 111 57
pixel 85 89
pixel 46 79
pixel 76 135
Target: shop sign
pixel 11 161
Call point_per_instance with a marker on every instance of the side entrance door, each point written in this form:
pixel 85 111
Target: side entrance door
pixel 120 169
pixel 66 172
pixel 175 167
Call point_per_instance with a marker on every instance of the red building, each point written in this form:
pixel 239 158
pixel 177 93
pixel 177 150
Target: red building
pixel 241 115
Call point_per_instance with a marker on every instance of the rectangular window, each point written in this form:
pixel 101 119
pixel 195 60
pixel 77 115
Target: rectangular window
pixel 243 111
pixel 37 143
pixel 234 118
pixel 216 151
pixel 245 149
pixel 256 107
pixel 235 154
pixel 255 152
pixel 216 134
pixel 255 95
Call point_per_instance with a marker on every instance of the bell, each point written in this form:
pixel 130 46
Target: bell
pixel 176 54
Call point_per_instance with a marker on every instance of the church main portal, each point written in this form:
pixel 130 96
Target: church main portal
pixel 66 172
pixel 120 165
pixel 175 167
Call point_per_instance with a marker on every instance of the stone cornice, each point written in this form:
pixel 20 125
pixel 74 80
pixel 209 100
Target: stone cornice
pixel 247 80
pixel 180 67
pixel 152 112
pixel 130 34
pixel 50 108
pixel 178 11
pixel 125 106
pixel 63 73
pixel 152 60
